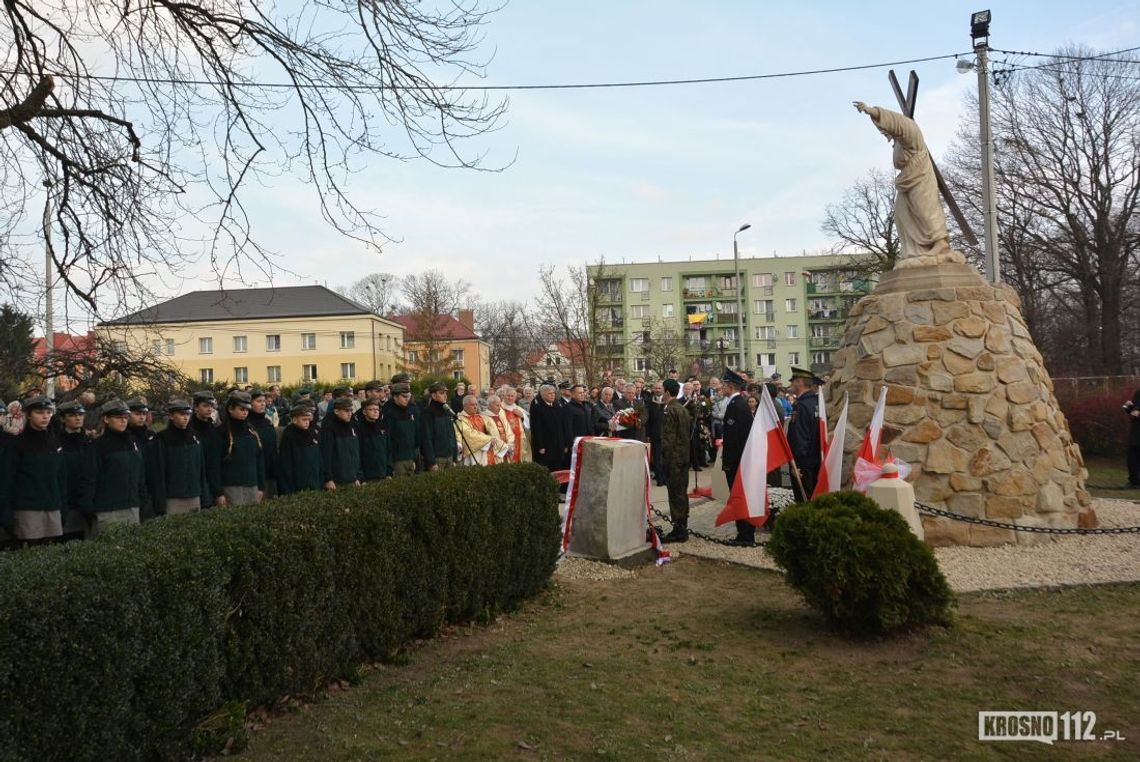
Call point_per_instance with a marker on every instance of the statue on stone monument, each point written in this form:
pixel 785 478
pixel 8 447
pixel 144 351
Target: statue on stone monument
pixel 918 210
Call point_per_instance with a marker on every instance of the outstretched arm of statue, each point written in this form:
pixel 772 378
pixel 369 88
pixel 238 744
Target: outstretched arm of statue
pixel 871 111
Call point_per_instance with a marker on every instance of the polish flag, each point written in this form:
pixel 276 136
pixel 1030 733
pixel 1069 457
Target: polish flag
pixel 766 450
pixel 831 472
pixel 870 449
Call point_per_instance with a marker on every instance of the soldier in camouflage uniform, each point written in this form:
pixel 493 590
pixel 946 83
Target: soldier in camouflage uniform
pixel 675 456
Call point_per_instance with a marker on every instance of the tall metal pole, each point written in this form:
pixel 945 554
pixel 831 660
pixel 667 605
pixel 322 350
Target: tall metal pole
pixel 49 327
pixel 993 262
pixel 739 296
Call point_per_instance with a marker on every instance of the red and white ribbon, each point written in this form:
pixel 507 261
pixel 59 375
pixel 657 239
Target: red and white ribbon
pixel 867 471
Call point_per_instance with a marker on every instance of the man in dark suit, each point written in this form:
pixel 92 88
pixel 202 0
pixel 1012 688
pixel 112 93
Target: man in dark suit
pixel 547 438
pixel 737 424
pixel 803 431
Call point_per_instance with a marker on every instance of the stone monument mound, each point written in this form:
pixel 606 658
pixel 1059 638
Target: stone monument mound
pixel 970 405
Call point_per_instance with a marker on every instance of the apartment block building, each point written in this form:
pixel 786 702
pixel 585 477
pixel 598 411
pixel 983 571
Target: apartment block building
pixel 794 309
pixel 265 336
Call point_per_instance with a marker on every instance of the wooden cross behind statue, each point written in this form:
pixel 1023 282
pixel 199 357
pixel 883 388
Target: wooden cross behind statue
pixel 906 104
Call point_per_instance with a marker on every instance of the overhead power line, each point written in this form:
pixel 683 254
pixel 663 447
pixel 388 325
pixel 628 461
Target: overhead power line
pixel 1065 60
pixel 490 88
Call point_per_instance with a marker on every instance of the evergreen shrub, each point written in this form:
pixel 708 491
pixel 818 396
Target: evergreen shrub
pixel 860 566
pixel 133 646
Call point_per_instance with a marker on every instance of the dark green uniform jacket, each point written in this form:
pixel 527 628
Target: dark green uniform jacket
pixel 675 429
pixel 120 482
pixel 403 431
pixel 148 445
pixel 268 436
pixel 82 470
pixel 233 458
pixel 182 465
pixel 299 461
pixel 38 474
pixel 340 451
pixel 375 462
pixel 437 436
pixel 202 428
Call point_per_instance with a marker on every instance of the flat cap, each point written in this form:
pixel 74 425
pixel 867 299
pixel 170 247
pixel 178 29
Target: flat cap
pixel 238 399
pixel 301 408
pixel 401 378
pixel 342 403
pixel 138 404
pixel 39 402
pixel 401 388
pixel 438 386
pixel 342 391
pixel 374 386
pixel 304 390
pixel 114 407
pixel 254 393
pixel 71 407
pixel 205 396
pixel 179 405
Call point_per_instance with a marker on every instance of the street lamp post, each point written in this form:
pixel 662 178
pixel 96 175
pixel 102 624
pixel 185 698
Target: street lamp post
pixel 739 297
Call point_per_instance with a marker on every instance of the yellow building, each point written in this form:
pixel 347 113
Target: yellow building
pixel 448 346
pixel 265 336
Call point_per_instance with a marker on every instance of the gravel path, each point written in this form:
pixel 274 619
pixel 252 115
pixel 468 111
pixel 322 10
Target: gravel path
pixel 1059 560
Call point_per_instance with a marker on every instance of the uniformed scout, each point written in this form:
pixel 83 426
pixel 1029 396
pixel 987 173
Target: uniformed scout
pixel 803 431
pixel 120 486
pixel 235 469
pixel 79 452
pixel 675 429
pixel 400 420
pixel 340 447
pixel 299 453
pixel 205 408
pixel 737 425
pixel 182 464
pixel 375 458
pixel 437 437
pixel 138 425
pixel 38 485
pixel 263 426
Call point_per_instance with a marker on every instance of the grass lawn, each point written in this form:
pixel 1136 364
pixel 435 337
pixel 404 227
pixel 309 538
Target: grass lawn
pixel 704 660
pixel 1106 474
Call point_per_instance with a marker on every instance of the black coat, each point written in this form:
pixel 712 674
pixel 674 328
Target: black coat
pixel 737 424
pixel 803 431
pixel 547 432
pixel 579 420
pixel 1134 431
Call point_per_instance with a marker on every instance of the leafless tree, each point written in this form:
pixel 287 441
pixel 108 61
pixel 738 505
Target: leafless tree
pixel 148 122
pixel 862 225
pixel 505 325
pixel 430 299
pixel 566 310
pixel 1067 170
pixel 376 291
pixel 109 367
pixel 663 347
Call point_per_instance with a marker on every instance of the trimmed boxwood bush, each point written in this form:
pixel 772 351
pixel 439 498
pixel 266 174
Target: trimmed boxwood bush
pixel 133 645
pixel 860 566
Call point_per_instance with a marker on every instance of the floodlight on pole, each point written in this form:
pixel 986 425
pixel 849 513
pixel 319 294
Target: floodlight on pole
pixel 979 25
pixel 739 298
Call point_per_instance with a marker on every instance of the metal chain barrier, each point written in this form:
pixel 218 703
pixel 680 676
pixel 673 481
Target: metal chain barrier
pixel 1021 527
pixel 778 498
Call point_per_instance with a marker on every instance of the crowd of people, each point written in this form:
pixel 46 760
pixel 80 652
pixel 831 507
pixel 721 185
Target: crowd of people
pixel 69 471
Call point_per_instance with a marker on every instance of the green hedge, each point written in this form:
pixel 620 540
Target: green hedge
pixel 120 648
pixel 860 566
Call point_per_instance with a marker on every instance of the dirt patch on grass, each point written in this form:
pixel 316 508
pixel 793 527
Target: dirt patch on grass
pixel 706 660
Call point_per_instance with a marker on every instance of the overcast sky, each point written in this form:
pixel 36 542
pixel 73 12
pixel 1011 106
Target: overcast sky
pixel 666 172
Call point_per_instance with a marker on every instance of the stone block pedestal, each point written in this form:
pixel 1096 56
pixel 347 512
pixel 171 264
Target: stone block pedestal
pixel 609 522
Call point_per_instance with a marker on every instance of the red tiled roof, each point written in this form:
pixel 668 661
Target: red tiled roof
pixel 446 327
pixel 64 342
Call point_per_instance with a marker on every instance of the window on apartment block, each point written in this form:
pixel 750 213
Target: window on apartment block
pixel 637 285
pixel 793 358
pixel 347 340
pixel 762 306
pixel 789 279
pixel 793 332
pixel 641 364
pixel 821 358
pixel 308 341
pixel 240 344
pixel 348 370
pixel 273 374
pixel 309 372
pixel 241 375
pixel 273 342
pixel 667 310
pixel 205 346
pixel 667 284
pixel 639 311
pixel 765 332
pixel 763 280
pixel 766 358
pixel 206 375
pixel 790 305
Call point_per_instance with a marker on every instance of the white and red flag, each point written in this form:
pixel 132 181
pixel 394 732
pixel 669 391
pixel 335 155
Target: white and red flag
pixel 766 450
pixel 831 471
pixel 874 436
pixel 869 463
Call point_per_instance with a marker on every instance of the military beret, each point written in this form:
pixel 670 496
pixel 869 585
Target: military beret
pixel 672 386
pixel 342 403
pixel 401 388
pixel 71 407
pixel 39 402
pixel 178 405
pixel 373 386
pixel 438 386
pixel 114 407
pixel 238 399
pixel 205 396
pixel 138 404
